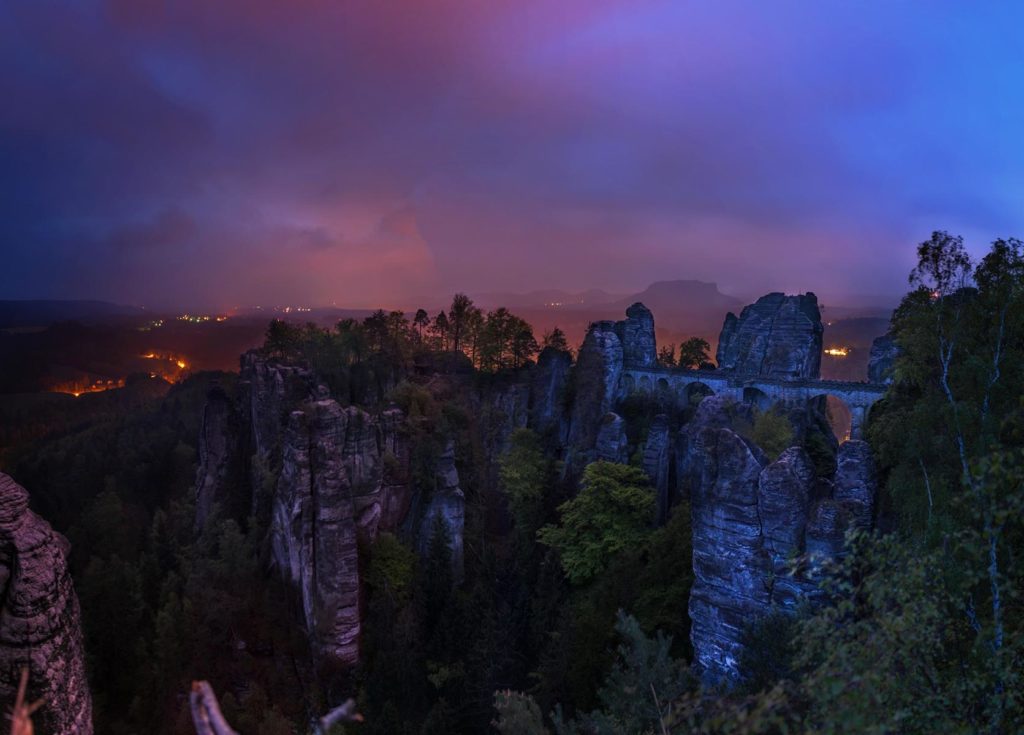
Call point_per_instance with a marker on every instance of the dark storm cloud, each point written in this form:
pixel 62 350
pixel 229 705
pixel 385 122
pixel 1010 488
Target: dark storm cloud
pixel 357 152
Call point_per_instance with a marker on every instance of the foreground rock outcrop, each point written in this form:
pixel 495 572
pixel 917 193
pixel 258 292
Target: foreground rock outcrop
pixel 777 336
pixel 751 519
pixel 39 618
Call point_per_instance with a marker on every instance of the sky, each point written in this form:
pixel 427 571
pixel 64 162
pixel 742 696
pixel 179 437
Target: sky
pixel 375 152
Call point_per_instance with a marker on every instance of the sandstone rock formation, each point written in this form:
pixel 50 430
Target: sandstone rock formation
pixel 218 443
pixel 636 332
pixel 778 336
pixel 751 518
pixel 882 359
pixel 612 445
pixel 597 374
pixel 731 567
pixel 341 476
pixel 550 382
pixel 608 348
pixel 447 503
pixel 658 463
pixel 855 483
pixel 39 618
pixel 268 391
pixel 501 411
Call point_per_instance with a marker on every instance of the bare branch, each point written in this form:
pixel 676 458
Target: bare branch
pixel 344 713
pixel 209 720
pixel 206 714
pixel 21 715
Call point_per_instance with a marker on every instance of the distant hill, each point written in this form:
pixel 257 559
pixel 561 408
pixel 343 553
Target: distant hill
pixel 546 298
pixel 679 303
pixel 40 313
pixel 682 308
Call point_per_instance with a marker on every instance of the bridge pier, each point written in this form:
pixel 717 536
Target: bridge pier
pixel 858 416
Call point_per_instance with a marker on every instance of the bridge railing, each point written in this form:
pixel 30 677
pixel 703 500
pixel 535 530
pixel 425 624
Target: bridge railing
pixel 740 378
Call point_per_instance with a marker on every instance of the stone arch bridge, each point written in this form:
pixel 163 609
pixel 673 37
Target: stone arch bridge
pixel 757 389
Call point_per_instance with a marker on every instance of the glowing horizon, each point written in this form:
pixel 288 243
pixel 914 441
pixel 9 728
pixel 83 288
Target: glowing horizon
pixel 363 153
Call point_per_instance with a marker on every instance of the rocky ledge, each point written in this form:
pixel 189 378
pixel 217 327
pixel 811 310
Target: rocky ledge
pixel 39 619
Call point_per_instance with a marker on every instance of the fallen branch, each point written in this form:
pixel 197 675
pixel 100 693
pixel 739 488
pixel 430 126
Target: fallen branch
pixel 21 715
pixel 344 713
pixel 209 720
pixel 206 714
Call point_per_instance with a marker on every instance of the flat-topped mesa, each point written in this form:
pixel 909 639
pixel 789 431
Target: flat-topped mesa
pixel 777 336
pixel 40 624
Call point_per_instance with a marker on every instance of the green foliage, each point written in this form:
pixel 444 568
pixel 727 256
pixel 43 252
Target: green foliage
pixel 555 339
pixel 391 569
pixel 636 695
pixel 415 401
pixel 663 574
pixel 506 341
pixel 518 714
pixel 644 680
pixel 694 353
pixel 770 430
pixel 821 452
pixel 526 476
pixel 612 513
pixel 960 371
pixel 770 644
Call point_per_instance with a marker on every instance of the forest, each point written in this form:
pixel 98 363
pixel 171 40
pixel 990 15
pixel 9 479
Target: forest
pixel 571 615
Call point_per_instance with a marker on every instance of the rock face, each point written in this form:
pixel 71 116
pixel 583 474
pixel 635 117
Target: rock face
pixel 597 374
pixel 607 349
pixel 636 332
pixel 882 359
pixel 268 391
pixel 658 463
pixel 548 410
pixel 448 504
pixel 39 618
pixel 751 518
pixel 612 445
pixel 778 336
pixel 501 411
pixel 731 581
pixel 218 441
pixel 855 483
pixel 341 477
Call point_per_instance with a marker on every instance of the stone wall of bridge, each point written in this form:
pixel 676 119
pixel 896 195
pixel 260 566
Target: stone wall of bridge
pixel 761 390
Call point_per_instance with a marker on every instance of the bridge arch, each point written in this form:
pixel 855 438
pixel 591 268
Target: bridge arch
pixel 696 391
pixel 841 414
pixel 628 384
pixel 756 397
